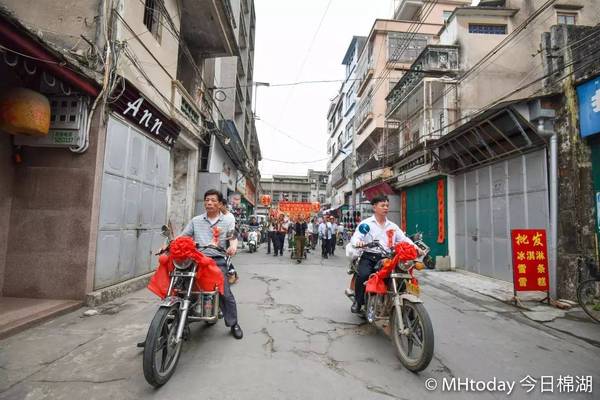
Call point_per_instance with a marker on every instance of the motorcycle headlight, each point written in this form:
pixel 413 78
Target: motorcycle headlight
pixel 183 264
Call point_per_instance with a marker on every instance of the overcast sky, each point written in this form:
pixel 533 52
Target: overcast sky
pixel 287 50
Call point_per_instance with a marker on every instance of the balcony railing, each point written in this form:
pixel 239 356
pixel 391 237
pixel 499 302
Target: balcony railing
pixel 364 72
pixel 435 60
pixel 364 113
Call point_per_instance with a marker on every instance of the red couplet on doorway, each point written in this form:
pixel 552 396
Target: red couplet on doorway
pixel 530 260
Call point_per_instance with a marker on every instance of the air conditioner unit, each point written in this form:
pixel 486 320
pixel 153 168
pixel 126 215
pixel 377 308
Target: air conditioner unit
pixel 68 121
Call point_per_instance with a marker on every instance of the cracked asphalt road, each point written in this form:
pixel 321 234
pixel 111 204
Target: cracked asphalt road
pixel 300 342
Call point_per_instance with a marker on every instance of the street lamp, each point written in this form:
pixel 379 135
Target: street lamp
pixel 256 85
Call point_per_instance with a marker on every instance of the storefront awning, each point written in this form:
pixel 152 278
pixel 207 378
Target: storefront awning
pixel 496 133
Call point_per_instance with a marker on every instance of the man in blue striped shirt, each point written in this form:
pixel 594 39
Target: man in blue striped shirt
pixel 202 229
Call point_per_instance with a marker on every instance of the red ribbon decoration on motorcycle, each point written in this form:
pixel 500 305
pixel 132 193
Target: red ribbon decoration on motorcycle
pixel 208 274
pixel 404 252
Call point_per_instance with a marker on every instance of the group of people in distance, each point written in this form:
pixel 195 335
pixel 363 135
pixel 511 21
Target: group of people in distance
pixel 326 229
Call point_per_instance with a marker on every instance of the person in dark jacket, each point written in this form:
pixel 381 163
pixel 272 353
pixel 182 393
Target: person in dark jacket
pixel 300 231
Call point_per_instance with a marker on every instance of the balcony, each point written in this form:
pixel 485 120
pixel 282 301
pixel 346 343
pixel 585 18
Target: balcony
pixel 408 10
pixel 364 114
pixel 208 27
pixel 364 73
pixel 233 144
pixel 184 109
pixel 436 61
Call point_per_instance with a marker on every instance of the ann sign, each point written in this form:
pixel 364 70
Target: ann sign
pixel 132 105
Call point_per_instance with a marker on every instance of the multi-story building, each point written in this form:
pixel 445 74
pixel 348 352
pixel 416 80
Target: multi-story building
pixel 287 188
pixel 389 50
pixel 341 128
pixel 472 162
pixel 230 161
pixel 318 185
pixel 122 86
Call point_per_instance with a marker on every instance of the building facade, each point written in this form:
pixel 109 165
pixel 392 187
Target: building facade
pixel 129 116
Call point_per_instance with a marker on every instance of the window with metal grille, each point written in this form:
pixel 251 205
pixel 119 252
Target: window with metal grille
pixel 152 17
pixel 487 29
pixel 204 158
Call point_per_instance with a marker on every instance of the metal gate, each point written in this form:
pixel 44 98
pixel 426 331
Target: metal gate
pixel 133 204
pixel 491 201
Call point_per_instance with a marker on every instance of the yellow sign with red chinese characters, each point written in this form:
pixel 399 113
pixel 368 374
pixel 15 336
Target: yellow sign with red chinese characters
pixel 530 260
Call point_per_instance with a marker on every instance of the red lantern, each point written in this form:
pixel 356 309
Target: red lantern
pixel 316 206
pixel 265 200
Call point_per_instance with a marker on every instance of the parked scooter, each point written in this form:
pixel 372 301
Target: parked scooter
pixel 252 241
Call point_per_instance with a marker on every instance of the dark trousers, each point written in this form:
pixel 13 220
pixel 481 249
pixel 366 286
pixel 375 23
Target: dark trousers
pixel 271 238
pixel 325 247
pixel 366 266
pixel 227 301
pixel 332 244
pixel 280 242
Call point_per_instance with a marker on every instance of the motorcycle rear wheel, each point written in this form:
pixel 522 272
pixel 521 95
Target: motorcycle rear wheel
pixel 420 335
pixel 161 353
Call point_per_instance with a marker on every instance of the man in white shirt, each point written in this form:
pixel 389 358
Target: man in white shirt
pixel 333 241
pixel 379 226
pixel 325 234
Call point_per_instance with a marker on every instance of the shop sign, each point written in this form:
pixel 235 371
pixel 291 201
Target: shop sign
pixel 588 95
pixel 416 162
pixel 530 260
pixel 134 107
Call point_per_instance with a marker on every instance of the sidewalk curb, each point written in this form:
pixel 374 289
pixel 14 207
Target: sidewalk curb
pixel 109 293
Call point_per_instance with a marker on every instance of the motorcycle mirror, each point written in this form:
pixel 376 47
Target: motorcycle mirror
pixel 364 229
pixel 165 231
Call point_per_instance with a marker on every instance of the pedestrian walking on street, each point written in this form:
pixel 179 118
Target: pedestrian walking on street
pixel 300 231
pixel 333 241
pixel 271 237
pixel 281 230
pixel 325 236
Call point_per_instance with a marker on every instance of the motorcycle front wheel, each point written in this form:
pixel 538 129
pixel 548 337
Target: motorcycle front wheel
pixel 161 353
pixel 414 347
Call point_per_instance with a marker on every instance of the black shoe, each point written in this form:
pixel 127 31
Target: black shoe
pixel 355 308
pixel 275 255
pixel 141 344
pixel 237 332
pixel 268 252
pixel 298 261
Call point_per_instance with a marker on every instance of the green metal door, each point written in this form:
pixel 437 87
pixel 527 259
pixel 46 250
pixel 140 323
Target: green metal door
pixel 422 214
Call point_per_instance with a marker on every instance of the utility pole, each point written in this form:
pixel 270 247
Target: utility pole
pixel 353 170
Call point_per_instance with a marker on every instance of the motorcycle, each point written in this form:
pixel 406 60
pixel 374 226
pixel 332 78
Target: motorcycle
pixel 181 307
pixel 428 260
pixel 252 241
pixel 399 312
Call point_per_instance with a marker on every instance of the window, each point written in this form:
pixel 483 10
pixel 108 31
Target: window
pixel 566 18
pixel 405 47
pixel 152 17
pixel 204 158
pixel 447 15
pixel 487 29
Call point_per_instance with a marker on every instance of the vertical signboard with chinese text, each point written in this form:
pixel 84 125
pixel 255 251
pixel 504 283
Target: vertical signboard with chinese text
pixel 530 260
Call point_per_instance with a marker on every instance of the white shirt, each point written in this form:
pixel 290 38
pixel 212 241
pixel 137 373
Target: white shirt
pixel 325 230
pixel 309 227
pixel 379 232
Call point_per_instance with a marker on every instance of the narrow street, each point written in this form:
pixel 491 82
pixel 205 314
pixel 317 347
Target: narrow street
pixel 300 342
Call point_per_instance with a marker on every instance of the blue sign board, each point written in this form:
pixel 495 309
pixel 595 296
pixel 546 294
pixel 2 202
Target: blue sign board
pixel 588 95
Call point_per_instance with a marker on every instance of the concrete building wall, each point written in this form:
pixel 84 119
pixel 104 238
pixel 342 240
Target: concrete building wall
pixel 50 223
pixel 147 50
pixel 6 197
pixel 61 22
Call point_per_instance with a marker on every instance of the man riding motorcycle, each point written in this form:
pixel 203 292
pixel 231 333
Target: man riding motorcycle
pixel 202 229
pixel 386 232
